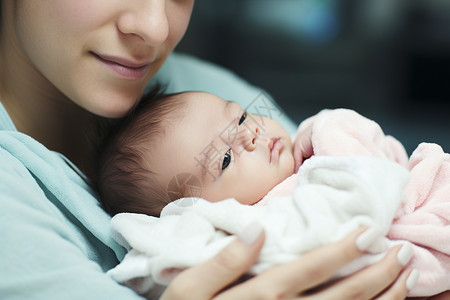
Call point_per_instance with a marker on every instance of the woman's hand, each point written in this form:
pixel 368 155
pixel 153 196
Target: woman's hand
pixel 386 279
pixel 441 296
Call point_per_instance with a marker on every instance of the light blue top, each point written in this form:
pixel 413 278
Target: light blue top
pixel 55 240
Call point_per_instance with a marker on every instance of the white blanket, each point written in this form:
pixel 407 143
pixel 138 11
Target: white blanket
pixel 333 196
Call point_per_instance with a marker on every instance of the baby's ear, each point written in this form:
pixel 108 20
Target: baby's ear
pixel 192 191
pixel 190 185
pixel 184 185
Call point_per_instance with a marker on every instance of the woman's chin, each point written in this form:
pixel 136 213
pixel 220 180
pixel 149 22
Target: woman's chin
pixel 112 110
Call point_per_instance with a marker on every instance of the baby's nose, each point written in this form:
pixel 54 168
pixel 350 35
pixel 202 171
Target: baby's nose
pixel 248 141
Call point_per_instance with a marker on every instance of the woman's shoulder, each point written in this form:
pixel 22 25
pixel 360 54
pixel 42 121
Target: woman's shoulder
pixel 39 183
pixel 183 72
pixel 43 243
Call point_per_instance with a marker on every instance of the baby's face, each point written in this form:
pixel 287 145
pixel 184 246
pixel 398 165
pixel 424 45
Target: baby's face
pixel 232 153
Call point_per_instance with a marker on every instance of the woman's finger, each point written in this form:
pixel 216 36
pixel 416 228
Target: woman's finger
pixel 310 270
pixel 401 287
pixel 441 296
pixel 206 280
pixel 371 281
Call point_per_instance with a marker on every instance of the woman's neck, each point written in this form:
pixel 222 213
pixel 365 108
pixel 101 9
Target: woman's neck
pixel 38 109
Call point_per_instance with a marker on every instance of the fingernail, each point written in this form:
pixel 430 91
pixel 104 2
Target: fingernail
pixel 404 254
pixel 251 233
pixel 412 279
pixel 366 238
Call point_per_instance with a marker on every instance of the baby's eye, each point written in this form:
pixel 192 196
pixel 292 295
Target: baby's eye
pixel 243 117
pixel 226 160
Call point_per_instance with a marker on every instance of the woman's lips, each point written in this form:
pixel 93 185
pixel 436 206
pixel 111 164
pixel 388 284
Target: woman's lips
pixel 276 146
pixel 124 67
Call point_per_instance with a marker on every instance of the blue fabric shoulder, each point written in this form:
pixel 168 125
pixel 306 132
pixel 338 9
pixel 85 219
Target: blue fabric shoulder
pixel 63 186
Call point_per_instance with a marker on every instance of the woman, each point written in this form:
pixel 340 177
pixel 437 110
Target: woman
pixel 63 62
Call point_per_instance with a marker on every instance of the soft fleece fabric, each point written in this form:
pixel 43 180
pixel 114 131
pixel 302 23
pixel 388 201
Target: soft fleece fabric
pixel 56 241
pixel 424 218
pixel 354 175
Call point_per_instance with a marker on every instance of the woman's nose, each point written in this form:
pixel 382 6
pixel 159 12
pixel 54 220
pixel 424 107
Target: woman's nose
pixel 149 22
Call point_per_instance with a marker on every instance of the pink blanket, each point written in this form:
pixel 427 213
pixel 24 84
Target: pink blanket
pixel 423 219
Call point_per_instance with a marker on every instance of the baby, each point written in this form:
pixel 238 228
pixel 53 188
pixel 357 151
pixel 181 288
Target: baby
pixel 229 153
pixel 337 172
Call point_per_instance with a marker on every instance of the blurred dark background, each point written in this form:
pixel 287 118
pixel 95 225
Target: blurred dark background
pixel 387 59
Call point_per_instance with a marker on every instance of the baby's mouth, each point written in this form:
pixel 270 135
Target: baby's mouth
pixel 276 146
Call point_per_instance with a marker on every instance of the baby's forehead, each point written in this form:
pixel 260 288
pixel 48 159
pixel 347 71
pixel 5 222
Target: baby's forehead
pixel 200 118
pixel 200 96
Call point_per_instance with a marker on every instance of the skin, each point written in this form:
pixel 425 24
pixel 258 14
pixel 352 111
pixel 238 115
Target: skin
pixel 239 164
pixel 384 280
pixel 55 81
pixel 55 76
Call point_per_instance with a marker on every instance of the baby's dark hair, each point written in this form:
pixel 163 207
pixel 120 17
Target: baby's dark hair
pixel 125 180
